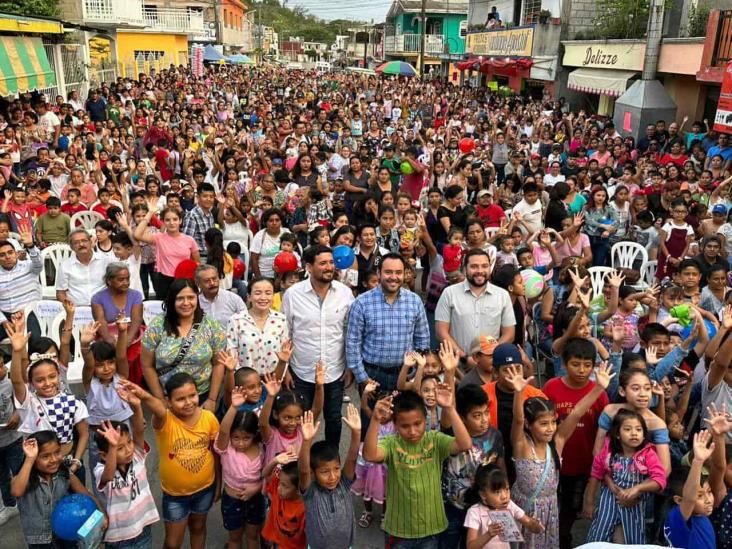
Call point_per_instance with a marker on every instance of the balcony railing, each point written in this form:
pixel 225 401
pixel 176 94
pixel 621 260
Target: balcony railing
pixel 723 47
pixel 411 43
pixel 173 19
pixel 113 12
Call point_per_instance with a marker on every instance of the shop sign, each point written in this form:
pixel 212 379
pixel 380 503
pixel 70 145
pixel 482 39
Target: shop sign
pixel 508 42
pixel 604 56
pixel 723 118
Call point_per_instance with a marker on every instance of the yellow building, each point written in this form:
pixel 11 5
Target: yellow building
pixel 140 51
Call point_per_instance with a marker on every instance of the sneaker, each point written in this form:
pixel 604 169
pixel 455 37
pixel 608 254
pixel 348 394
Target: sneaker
pixel 8 513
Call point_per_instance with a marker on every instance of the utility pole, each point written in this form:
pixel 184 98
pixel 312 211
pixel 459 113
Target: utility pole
pixel 259 34
pixel 422 39
pixel 365 50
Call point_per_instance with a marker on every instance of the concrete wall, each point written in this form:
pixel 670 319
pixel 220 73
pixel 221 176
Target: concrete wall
pixel 70 10
pixel 681 56
pixel 688 95
pixel 582 16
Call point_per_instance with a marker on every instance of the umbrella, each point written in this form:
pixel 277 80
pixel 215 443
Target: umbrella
pixel 399 68
pixel 241 59
pixel 210 54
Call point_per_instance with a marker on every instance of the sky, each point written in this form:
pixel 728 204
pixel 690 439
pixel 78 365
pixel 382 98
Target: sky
pixel 361 10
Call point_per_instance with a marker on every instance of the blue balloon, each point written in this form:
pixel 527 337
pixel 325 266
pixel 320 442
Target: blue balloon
pixel 70 514
pixel 711 330
pixel 343 256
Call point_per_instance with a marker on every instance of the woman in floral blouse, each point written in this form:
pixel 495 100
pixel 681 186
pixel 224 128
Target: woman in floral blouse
pixel 183 339
pixel 255 336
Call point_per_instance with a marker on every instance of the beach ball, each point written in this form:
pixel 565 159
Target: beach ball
pixel 343 256
pixel 466 145
pixel 70 514
pixel 238 269
pixel 285 262
pixel 533 283
pixel 406 168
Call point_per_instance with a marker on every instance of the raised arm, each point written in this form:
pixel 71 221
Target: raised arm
pixel 309 428
pixel 273 385
pixel 371 450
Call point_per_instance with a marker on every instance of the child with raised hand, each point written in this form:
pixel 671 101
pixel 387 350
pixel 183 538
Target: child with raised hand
pixel 122 477
pixel 411 359
pixel 245 377
pixel 328 501
pixel 490 492
pixel 104 366
pixel 282 413
pixel 371 477
pixel 242 461
pixel 414 458
pixel 634 470
pixel 42 403
pixel 537 444
pixel 184 432
pixel 688 525
pixel 285 523
pixel 42 481
pixel 720 423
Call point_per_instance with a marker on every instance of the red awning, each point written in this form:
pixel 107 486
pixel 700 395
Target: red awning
pixel 468 64
pixel 505 66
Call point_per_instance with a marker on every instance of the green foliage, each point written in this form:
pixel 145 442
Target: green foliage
pixel 698 17
pixel 621 19
pixel 296 21
pixel 38 8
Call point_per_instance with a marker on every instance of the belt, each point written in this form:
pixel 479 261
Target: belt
pixel 385 369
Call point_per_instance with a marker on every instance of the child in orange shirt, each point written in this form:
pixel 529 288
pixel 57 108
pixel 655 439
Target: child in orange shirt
pixel 285 524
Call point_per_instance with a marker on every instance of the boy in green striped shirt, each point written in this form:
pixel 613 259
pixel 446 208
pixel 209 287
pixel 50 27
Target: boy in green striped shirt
pixel 415 513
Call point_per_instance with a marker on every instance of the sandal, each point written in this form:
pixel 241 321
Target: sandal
pixel 365 520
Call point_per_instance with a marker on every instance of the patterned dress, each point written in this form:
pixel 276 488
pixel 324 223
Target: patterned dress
pixel 545 507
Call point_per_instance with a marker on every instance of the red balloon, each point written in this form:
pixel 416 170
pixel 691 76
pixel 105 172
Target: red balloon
pixel 186 269
pixel 284 262
pixel 467 145
pixel 239 268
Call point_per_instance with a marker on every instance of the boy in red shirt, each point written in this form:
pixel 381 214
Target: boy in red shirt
pixel 579 361
pixel 74 204
pixel 490 214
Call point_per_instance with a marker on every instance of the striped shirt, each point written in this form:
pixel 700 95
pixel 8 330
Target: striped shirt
pixel 19 286
pixel 414 472
pixel 380 333
pixel 130 504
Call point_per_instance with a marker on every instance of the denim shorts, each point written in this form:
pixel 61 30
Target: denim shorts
pixel 177 508
pixel 143 541
pixel 237 513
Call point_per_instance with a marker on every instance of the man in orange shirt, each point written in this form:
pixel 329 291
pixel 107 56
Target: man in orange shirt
pixel 500 397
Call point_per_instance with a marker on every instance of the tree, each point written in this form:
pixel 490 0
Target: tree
pixel 40 8
pixel 621 19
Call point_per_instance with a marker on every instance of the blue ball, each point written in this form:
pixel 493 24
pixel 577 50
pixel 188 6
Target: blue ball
pixel 70 513
pixel 343 256
pixel 711 330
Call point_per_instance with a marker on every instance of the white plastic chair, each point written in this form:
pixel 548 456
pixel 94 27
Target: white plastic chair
pixel 82 317
pixel 151 309
pixel 597 278
pixel 624 255
pixel 49 314
pixel 86 220
pixel 490 232
pixel 648 271
pixel 56 253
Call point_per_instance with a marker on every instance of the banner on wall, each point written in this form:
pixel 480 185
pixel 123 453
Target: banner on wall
pixel 723 118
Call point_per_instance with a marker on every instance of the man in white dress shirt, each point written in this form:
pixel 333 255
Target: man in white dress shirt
pixel 82 275
pixel 317 311
pixel 221 306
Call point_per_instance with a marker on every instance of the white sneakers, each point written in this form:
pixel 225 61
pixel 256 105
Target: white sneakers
pixel 8 513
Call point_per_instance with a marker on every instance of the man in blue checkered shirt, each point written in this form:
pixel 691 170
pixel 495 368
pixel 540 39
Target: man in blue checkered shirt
pixel 383 324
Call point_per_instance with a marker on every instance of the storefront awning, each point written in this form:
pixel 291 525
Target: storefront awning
pixel 600 81
pixel 24 65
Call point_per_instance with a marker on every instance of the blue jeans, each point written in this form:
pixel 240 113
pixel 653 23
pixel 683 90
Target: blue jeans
pixel 11 460
pixel 429 542
pixel 600 250
pixel 177 508
pixel 332 405
pixel 143 541
pixel 454 536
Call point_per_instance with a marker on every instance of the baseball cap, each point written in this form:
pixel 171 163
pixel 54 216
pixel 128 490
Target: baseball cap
pixel 506 354
pixel 535 155
pixel 719 209
pixel 218 141
pixel 389 147
pixel 483 344
pixel 484 192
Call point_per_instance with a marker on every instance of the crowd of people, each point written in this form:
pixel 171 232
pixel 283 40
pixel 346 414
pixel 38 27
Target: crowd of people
pixel 308 234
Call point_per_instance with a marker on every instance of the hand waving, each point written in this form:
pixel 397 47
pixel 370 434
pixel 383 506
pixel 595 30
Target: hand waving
pixel 515 377
pixel 353 418
pixel 308 427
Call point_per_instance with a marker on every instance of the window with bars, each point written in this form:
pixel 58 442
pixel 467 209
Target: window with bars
pixel 531 12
